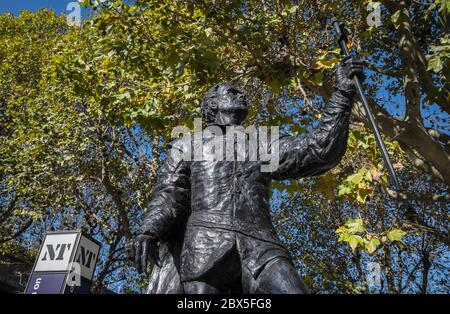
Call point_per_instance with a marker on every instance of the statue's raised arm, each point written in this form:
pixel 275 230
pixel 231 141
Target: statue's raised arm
pixel 316 152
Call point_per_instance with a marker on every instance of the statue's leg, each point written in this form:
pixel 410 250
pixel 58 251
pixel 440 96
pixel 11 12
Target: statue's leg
pixel 210 261
pixel 199 287
pixel 224 277
pixel 279 276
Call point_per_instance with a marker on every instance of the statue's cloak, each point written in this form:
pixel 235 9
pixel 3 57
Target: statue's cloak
pixel 165 278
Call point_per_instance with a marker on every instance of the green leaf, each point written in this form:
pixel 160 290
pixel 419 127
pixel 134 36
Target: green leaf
pixel 372 245
pixel 395 18
pixel 374 4
pixel 362 195
pixel 396 235
pixel 343 190
pixel 354 240
pixel 275 86
pixel 355 178
pixel 435 64
pixel 355 225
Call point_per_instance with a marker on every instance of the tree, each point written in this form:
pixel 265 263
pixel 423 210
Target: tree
pixel 314 219
pixel 281 47
pixel 83 127
pixel 63 167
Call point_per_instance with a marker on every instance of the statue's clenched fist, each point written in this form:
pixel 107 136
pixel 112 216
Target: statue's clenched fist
pixel 139 248
pixel 346 71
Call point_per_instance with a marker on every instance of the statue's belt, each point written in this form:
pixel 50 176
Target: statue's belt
pixel 261 229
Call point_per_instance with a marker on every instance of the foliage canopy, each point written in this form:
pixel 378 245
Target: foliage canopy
pixel 85 113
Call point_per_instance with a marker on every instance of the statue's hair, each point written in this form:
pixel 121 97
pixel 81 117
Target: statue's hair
pixel 209 104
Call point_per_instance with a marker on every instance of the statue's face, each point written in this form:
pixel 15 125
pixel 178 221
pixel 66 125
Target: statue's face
pixel 232 106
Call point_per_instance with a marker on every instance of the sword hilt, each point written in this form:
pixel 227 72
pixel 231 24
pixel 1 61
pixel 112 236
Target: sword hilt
pixel 341 35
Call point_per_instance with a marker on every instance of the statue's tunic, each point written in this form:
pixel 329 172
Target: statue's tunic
pixel 224 205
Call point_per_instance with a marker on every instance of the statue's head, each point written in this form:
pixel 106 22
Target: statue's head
pixel 224 104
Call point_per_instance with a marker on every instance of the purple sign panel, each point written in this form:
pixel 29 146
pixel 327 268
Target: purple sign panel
pixel 46 283
pixel 83 287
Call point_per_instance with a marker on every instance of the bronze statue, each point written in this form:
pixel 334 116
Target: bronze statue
pixel 208 227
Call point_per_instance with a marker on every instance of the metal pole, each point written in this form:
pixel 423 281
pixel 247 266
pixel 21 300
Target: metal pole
pixel 342 39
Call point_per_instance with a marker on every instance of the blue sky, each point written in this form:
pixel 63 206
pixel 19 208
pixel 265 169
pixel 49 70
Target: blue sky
pixel 14 6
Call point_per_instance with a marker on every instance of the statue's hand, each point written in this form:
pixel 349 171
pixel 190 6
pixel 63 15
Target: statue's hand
pixel 139 248
pixel 345 73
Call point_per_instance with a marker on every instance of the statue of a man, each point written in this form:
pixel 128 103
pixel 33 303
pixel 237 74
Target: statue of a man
pixel 208 227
